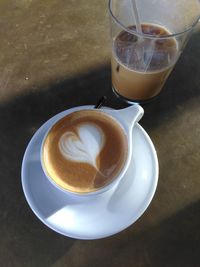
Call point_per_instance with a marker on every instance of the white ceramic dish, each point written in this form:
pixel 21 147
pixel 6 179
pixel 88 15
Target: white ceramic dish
pixel 96 216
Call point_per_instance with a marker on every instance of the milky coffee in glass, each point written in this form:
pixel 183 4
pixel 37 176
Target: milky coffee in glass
pixel 80 153
pixel 143 56
pixel 141 67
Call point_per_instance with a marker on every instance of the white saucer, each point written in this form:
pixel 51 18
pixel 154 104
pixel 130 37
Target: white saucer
pixel 97 216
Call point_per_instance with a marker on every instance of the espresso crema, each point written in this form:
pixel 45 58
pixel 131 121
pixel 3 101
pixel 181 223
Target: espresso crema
pixel 84 151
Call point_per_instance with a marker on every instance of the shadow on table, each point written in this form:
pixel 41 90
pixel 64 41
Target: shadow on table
pixel 22 235
pixel 174 242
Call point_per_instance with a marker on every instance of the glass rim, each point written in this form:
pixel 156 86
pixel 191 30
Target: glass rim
pixel 150 36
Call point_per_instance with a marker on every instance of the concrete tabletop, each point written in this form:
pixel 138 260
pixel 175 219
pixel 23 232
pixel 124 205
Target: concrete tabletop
pixel 55 55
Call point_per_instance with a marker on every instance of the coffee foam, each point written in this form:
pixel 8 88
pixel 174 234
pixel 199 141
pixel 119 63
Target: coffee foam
pixel 84 151
pixel 83 145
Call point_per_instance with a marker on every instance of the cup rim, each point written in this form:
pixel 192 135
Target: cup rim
pixel 146 35
pixel 114 180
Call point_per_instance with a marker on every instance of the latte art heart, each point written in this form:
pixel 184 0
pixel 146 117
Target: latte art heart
pixel 84 151
pixel 84 145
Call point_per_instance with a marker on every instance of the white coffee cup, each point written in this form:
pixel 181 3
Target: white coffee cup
pixel 126 119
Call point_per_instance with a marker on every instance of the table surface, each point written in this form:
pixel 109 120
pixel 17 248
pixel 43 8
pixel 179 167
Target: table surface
pixel 56 55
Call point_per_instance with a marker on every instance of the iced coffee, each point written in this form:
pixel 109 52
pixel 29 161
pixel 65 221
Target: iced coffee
pixel 140 66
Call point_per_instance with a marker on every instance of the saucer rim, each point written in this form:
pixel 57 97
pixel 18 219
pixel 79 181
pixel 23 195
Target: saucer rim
pixel 37 212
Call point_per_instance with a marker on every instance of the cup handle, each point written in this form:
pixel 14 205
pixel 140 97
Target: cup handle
pixel 129 116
